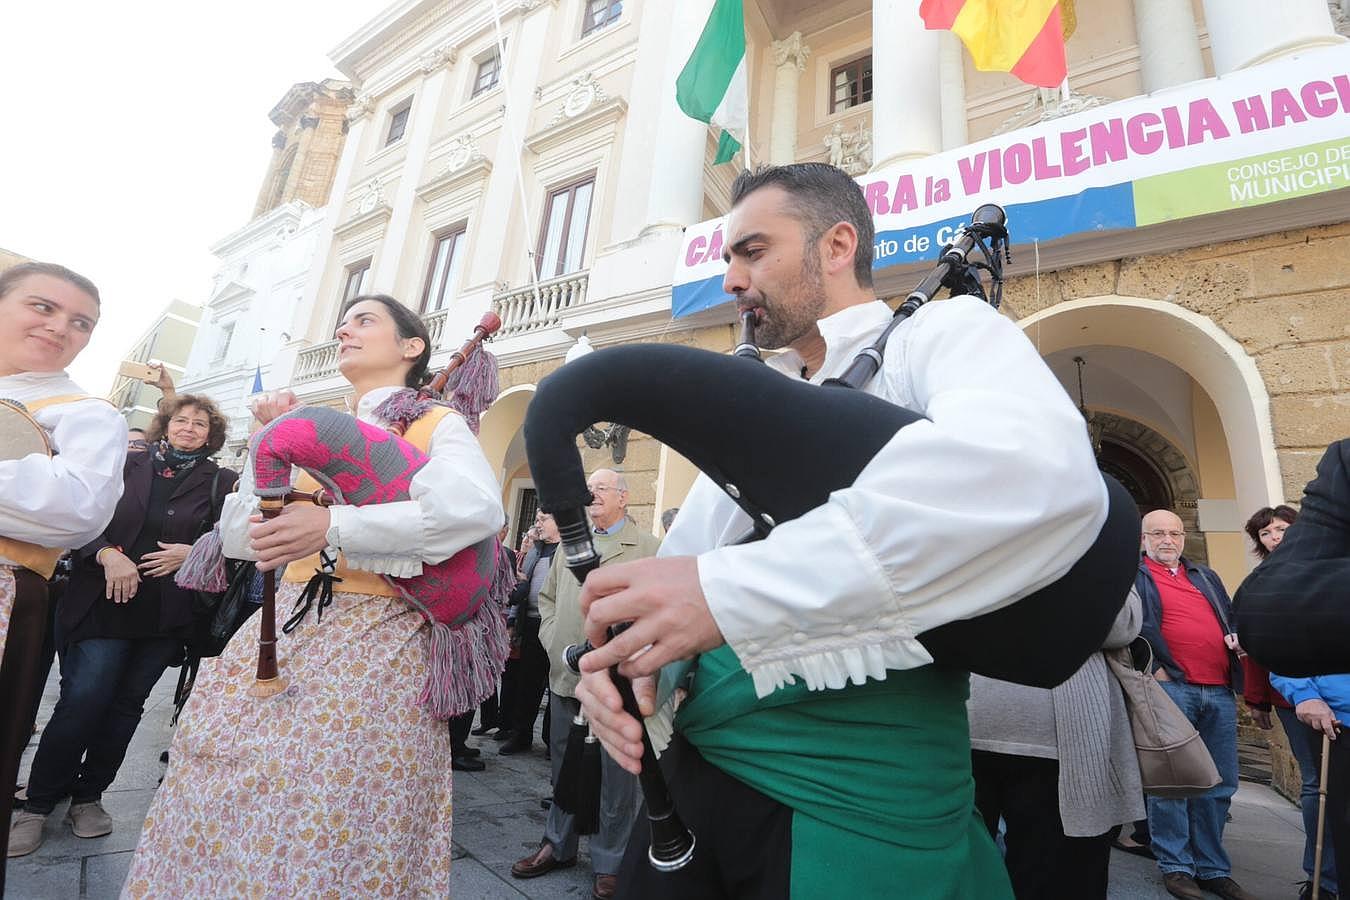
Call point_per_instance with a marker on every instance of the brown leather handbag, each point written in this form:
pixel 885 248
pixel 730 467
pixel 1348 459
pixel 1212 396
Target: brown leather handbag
pixel 1173 761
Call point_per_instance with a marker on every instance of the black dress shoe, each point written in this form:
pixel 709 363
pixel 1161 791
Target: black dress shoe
pixel 503 734
pixel 469 751
pixel 467 764
pixel 514 746
pixel 482 730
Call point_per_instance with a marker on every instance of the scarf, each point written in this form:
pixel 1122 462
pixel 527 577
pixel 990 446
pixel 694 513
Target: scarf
pixel 173 463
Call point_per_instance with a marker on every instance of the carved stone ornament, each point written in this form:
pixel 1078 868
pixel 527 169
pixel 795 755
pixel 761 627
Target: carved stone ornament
pixel 433 59
pixel 849 150
pixel 1340 16
pixel 361 107
pixel 1050 103
pixel 790 51
pixel 463 150
pixel 582 94
pixel 373 196
pixel 531 5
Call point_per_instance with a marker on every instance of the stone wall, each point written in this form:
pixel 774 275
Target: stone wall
pixel 1285 297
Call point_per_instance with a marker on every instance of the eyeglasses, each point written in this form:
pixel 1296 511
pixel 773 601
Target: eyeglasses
pixel 602 489
pixel 1158 535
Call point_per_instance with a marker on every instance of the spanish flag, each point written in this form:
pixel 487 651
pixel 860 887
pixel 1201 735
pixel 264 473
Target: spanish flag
pixel 1023 37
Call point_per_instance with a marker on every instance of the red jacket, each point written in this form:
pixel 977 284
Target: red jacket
pixel 1256 689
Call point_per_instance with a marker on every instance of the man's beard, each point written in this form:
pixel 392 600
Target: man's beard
pixel 796 313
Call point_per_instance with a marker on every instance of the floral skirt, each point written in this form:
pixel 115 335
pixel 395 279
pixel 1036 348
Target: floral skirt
pixel 337 787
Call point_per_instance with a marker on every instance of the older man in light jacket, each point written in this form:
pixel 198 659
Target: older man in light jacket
pixel 618 539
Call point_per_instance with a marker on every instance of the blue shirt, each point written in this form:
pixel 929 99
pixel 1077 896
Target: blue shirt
pixel 1334 690
pixel 613 529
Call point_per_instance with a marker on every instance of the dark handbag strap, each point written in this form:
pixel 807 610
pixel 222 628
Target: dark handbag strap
pixel 213 510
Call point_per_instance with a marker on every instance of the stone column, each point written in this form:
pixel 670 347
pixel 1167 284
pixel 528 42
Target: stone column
pixel 393 249
pixel 1169 43
pixel 1243 33
pixel 789 59
pixel 675 195
pixel 906 110
pixel 952 78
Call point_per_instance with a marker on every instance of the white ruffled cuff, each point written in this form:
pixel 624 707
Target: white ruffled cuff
pixel 831 665
pixel 394 566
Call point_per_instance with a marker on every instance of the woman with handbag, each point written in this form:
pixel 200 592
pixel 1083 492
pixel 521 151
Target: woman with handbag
pixel 122 619
pixel 1059 767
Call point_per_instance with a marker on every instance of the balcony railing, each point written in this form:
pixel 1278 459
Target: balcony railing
pixel 316 362
pixel 435 322
pixel 534 308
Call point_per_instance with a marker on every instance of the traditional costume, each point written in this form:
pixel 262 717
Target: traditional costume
pixel 848 754
pixel 48 504
pixel 341 785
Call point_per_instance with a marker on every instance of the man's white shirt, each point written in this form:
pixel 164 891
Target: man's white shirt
pixel 994 495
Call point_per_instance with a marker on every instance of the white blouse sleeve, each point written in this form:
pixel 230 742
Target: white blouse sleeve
pixel 995 494
pixel 66 500
pixel 455 503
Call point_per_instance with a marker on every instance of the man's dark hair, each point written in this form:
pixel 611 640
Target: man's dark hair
pixel 14 274
pixel 821 196
pixel 135 429
pixel 1263 517
pixel 407 325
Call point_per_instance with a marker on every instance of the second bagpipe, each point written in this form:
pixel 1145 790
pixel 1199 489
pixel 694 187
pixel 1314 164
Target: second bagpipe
pixel 719 411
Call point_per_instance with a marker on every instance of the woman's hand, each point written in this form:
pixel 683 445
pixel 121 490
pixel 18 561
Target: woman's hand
pixel 165 561
pixel 267 406
pixel 300 530
pixel 120 574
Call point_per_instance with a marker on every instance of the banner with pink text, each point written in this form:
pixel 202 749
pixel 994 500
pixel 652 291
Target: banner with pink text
pixel 1273 132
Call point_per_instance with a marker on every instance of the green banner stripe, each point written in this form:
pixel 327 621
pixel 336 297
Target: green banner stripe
pixel 1242 183
pixel 705 78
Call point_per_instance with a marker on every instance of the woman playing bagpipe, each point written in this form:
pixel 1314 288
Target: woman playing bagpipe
pixel 61 455
pixel 332 776
pixel 819 752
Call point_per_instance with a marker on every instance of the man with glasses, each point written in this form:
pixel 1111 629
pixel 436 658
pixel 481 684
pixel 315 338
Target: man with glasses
pixel 1188 621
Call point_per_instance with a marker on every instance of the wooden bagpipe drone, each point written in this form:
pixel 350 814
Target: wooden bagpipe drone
pixel 720 411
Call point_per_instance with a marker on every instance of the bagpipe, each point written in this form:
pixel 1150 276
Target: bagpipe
pixel 720 411
pixel 356 463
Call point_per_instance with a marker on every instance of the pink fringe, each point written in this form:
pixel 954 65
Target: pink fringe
pixel 474 386
pixel 464 663
pixel 204 568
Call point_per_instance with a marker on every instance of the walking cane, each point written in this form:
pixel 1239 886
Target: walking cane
pixel 1321 817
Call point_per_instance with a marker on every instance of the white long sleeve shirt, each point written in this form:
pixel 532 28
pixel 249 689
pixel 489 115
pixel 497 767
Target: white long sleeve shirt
pixel 65 500
pixel 455 503
pixel 994 495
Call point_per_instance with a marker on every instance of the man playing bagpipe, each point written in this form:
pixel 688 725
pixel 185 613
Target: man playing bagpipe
pixel 817 752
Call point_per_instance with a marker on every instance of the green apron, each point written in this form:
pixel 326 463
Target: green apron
pixel 877 775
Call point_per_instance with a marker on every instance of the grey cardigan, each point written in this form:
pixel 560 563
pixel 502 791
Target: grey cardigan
pixel 1099 784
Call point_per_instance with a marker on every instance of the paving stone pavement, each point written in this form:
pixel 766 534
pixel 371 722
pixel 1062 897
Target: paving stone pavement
pixel 498 819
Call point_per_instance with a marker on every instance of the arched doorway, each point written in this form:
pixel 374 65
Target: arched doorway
pixel 1159 368
pixel 503 444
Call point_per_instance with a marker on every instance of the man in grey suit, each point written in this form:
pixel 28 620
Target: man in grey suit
pixel 619 539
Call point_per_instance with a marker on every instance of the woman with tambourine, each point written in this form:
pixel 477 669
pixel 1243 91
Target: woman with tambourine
pixel 60 477
pixel 339 783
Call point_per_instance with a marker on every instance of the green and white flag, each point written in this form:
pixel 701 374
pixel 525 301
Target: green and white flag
pixel 712 86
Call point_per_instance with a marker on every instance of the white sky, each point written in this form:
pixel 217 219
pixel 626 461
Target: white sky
pixel 136 136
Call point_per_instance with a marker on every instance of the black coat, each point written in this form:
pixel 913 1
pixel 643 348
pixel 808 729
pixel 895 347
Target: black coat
pixel 189 506
pixel 1293 610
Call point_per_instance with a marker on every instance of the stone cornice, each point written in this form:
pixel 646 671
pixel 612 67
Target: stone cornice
pixel 288 213
pixel 591 120
pixel 474 170
pixel 379 215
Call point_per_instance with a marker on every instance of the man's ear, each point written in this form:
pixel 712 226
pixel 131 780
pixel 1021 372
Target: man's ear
pixel 839 246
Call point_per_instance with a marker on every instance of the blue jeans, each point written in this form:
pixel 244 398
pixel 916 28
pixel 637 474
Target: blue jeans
pixel 104 683
pixel 1307 746
pixel 1188 834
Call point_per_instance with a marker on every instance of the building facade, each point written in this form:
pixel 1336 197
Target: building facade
pixel 168 340
pixel 528 157
pixel 250 313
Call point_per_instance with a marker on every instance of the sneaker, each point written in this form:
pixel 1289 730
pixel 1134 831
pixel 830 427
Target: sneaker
pixel 89 820
pixel 25 832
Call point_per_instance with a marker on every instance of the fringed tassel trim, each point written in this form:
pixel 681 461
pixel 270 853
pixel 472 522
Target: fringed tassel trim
pixel 204 567
pixel 464 663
